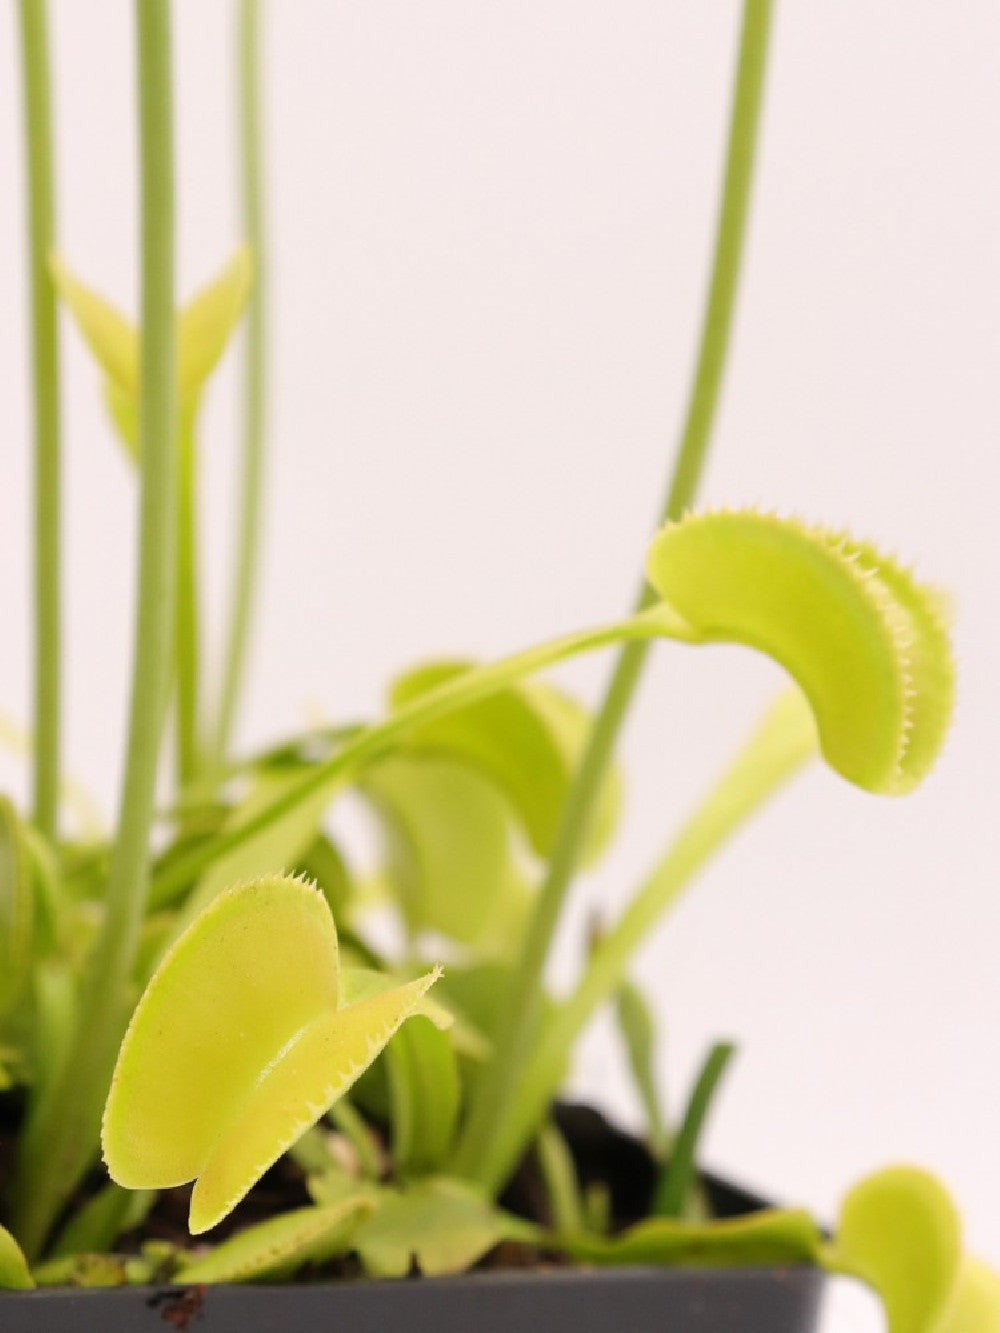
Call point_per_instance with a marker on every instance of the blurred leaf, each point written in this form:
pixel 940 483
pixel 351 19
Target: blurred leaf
pixel 975 1304
pixel 16 907
pixel 898 1231
pixel 322 861
pixel 123 409
pixel 555 1161
pixel 105 1216
pixel 204 327
pixel 83 1270
pixel 271 851
pixel 680 1175
pixel 528 739
pixel 14 1274
pixel 635 1022
pixel 448 850
pixel 206 323
pixel 55 1016
pixel 443 1225
pixel 775 1236
pixel 112 338
pixel 423 1079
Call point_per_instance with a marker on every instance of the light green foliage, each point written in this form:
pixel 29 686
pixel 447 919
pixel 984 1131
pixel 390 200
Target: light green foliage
pixel 448 851
pixel 635 1022
pixel 464 797
pixel 279 1247
pixel 776 1236
pixel 14 1274
pixel 275 849
pixel 204 326
pixel 443 1225
pixel 239 1043
pixel 424 1083
pixel 111 337
pixel 898 1231
pixel 527 738
pixel 558 1171
pixel 975 1303
pixel 864 641
pixel 101 1220
pixel 440 1224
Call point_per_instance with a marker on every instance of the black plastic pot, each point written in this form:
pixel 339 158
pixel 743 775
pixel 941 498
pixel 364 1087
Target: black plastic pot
pixel 627 1300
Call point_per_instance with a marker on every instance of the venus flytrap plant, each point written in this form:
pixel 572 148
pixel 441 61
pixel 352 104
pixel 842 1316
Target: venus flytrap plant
pixel 240 1042
pixel 261 1023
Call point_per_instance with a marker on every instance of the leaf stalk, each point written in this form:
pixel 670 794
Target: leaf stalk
pixel 499 1087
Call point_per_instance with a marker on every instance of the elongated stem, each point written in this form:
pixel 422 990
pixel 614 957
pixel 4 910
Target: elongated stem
pixel 659 621
pixel 782 743
pixel 494 1090
pixel 254 383
pixel 62 1133
pixel 555 1162
pixel 186 630
pixel 45 377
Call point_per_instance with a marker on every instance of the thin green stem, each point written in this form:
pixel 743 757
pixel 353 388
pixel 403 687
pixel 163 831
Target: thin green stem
pixel 558 1171
pixel 494 1090
pixel 254 381
pixel 45 385
pixel 351 1124
pixel 478 683
pixel 62 1133
pixel 186 629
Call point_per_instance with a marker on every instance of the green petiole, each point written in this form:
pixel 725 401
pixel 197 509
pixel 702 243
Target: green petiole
pixel 496 1089
pixel 254 383
pixel 186 629
pixel 62 1131
pixel 45 385
pixel 656 622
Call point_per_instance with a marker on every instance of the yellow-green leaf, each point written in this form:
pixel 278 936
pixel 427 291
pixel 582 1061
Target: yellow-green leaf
pixel 443 1224
pixel 527 738
pixel 280 1246
pixel 206 323
pixel 773 1236
pixel 423 1078
pixel 273 850
pixel 111 337
pixel 975 1305
pixel 14 1273
pixel 204 326
pixel 898 1232
pixel 239 1044
pixel 123 409
pixel 448 850
pixel 865 642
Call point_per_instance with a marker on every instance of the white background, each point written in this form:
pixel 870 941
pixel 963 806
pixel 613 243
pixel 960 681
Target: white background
pixel 491 226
